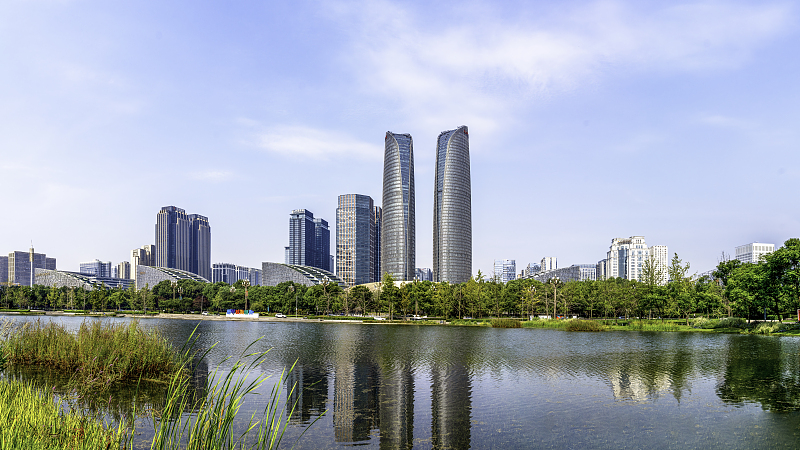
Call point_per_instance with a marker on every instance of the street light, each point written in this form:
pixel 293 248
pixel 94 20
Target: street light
pixel 246 284
pixel 292 289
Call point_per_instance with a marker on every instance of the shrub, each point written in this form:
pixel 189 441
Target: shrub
pixel 506 323
pixel 583 325
pixel 731 322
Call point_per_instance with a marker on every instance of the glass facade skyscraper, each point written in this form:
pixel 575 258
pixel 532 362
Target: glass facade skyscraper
pixel 200 246
pixel 322 245
pixel 309 240
pixel 355 239
pixel 172 238
pixel 452 208
pixel 398 236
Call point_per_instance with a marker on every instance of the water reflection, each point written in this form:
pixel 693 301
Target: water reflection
pixel 401 387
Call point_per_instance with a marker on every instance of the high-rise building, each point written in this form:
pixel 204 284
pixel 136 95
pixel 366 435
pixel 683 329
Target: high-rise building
pixel 144 256
pixel 660 258
pixel 231 273
pixel 96 268
pixel 173 239
pixel 548 263
pixel 322 244
pixel 505 270
pixel 355 239
pixel 752 253
pixel 625 258
pixel 398 236
pixel 302 234
pixel 424 274
pixel 452 208
pixel 123 270
pixel 3 269
pixel 286 254
pixel 200 246
pixel 376 245
pixel 21 266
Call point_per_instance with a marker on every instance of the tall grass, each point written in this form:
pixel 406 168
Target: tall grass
pixel 98 355
pixel 545 323
pixel 31 418
pixel 506 323
pixel 583 325
pixel 644 325
pixel 210 424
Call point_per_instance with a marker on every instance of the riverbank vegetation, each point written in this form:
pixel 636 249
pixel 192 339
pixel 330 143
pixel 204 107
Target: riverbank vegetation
pixel 97 356
pixel 768 289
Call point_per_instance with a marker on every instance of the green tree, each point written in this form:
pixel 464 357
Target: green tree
pixel 390 294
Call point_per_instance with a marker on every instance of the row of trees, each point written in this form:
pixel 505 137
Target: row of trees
pixel 744 290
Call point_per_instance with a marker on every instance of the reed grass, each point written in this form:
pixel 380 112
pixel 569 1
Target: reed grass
pixel 98 355
pixel 584 325
pixel 644 325
pixel 506 323
pixel 209 425
pixel 545 323
pixel 32 419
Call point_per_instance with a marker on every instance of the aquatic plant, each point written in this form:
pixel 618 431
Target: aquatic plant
pixel 545 323
pixel 98 355
pixel 583 325
pixel 209 425
pixel 506 323
pixel 33 419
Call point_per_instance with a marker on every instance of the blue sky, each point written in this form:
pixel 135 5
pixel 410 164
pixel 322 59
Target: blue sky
pixel 588 121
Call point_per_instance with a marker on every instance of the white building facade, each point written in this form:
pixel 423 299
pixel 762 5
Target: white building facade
pixel 752 253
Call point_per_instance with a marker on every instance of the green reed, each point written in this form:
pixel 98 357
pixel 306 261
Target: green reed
pixel 545 323
pixel 98 355
pixel 33 419
pixel 583 325
pixel 506 323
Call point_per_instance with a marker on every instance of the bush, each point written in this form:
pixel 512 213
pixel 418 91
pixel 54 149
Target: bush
pixel 583 325
pixel 506 323
pixel 731 322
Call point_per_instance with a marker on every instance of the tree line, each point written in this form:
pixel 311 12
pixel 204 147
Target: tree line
pixel 771 286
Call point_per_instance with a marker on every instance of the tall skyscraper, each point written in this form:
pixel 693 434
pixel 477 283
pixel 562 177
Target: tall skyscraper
pixel 302 234
pixel 172 239
pixel 124 270
pixel 355 239
pixel 505 270
pixel 376 245
pixel 398 236
pixel 3 269
pixel 452 208
pixel 322 244
pixel 200 246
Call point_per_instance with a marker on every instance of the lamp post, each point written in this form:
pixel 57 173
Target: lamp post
pixel 292 289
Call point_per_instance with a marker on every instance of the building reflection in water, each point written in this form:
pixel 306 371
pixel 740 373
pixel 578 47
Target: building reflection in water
pixel 396 409
pixel 355 403
pixel 307 393
pixel 451 407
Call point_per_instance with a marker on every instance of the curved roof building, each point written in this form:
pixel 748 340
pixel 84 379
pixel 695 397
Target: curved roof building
pixel 273 274
pixel 452 208
pixel 398 244
pixel 147 276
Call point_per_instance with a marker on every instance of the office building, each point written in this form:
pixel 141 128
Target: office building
pixel 172 238
pixel 398 235
pixel 200 246
pixel 575 272
pixel 505 270
pixel 424 274
pixel 96 268
pixel 355 238
pixel 123 270
pixel 21 266
pixel 752 253
pixel 231 273
pixel 3 269
pixel 376 245
pixel 452 208
pixel 322 244
pixel 144 256
pixel 660 258
pixel 548 263
pixel 302 234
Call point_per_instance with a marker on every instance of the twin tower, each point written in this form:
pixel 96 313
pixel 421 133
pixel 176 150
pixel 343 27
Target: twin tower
pixel 452 208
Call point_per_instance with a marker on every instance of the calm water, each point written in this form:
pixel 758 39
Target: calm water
pixel 388 387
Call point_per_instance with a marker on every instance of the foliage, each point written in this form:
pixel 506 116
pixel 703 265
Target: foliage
pixel 34 420
pixel 583 325
pixel 506 323
pixel 98 355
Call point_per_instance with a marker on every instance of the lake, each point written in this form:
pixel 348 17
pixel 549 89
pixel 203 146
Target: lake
pixel 436 387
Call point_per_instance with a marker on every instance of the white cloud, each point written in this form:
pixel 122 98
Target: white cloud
pixel 212 175
pixel 305 142
pixel 479 68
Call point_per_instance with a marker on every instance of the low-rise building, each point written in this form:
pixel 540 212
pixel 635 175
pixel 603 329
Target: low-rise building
pixel 60 278
pixel 273 274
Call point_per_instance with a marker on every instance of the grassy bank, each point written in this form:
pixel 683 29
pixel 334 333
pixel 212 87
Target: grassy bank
pixel 32 419
pixel 98 355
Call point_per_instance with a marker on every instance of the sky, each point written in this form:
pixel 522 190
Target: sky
pixel 588 120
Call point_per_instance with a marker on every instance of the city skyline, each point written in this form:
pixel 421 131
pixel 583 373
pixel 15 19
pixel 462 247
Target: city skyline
pixel 629 117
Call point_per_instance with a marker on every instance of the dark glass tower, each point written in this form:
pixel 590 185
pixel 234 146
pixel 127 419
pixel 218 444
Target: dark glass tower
pixel 200 247
pixel 302 233
pixel 172 238
pixel 376 245
pixel 452 208
pixel 398 245
pixel 322 244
